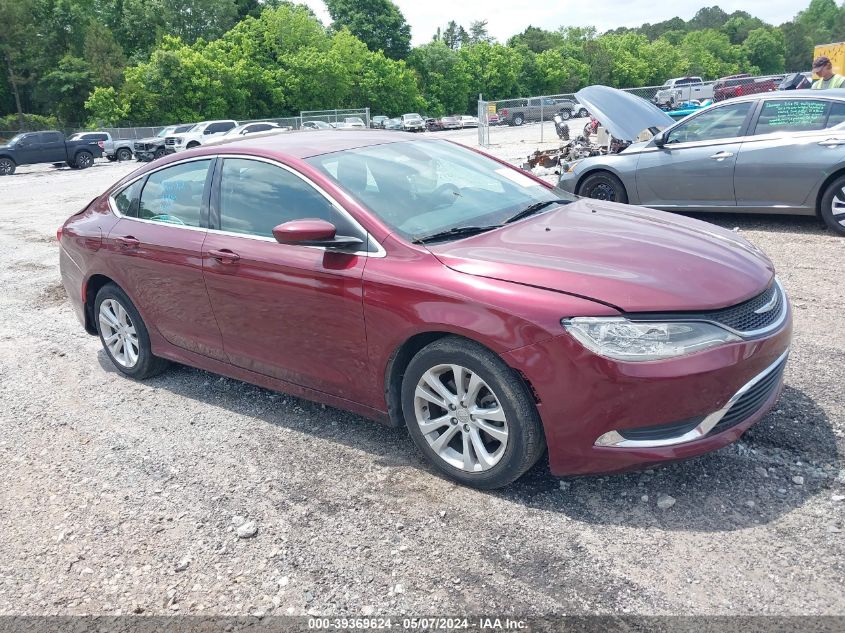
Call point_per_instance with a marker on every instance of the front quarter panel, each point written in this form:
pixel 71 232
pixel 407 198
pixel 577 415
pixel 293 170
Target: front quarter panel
pixel 623 166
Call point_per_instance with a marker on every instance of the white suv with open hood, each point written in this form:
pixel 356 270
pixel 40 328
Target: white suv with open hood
pixel 197 135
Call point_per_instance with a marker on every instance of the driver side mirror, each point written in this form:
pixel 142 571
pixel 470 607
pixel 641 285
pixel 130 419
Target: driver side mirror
pixel 314 233
pixel 659 139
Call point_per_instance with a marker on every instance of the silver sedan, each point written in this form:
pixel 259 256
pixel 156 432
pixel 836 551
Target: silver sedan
pixel 779 152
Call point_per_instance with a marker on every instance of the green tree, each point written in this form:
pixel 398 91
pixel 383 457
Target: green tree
pixel 707 18
pixel 537 40
pixel 766 49
pixel 738 27
pixel 64 90
pixel 798 47
pixel 191 20
pixel 443 79
pixel 478 32
pixel 103 54
pixel 16 37
pixel 711 55
pixel 377 23
pixel 106 109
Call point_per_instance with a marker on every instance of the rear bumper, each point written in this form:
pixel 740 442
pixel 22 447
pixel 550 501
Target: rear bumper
pixel 583 397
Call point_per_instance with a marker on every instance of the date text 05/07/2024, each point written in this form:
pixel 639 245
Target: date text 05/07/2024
pixel 415 624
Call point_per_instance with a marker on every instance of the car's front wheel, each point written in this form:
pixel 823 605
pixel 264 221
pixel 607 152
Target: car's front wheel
pixel 565 114
pixel 832 208
pixel 583 113
pixel 470 414
pixel 518 120
pixel 124 335
pixel 603 186
pixel 7 167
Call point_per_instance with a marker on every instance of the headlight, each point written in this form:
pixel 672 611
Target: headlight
pixel 621 339
pixel 568 168
pixel 178 141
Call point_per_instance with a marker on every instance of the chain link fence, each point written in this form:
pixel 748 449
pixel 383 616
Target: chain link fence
pixel 533 116
pixel 337 118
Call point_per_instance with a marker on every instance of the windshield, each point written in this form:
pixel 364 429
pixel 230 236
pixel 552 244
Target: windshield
pixel 166 131
pixel 419 188
pixel 15 139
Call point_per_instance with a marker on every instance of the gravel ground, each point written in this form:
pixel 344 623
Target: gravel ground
pixel 192 493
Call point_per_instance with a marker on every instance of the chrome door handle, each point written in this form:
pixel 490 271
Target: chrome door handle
pixel 832 142
pixel 721 155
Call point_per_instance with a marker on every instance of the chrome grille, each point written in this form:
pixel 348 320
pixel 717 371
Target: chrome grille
pixel 744 317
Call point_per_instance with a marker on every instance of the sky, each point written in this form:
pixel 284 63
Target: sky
pixel 506 18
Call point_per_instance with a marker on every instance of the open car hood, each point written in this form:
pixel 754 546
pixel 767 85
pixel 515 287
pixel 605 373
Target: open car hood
pixel 623 114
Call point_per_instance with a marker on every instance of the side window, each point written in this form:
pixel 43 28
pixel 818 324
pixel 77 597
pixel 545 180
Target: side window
pixel 255 197
pixel 718 123
pixel 216 128
pixel 51 137
pixel 837 114
pixel 174 195
pixel 124 199
pixel 792 115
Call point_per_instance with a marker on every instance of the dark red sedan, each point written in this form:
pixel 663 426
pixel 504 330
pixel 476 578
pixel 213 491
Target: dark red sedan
pixel 427 285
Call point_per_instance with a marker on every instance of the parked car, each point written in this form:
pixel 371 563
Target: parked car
pixel 197 135
pixel 378 121
pixel 741 85
pixel 31 148
pixel 568 109
pixel 777 152
pixel 393 124
pixel 248 129
pixel 535 109
pixel 316 125
pixel 151 148
pixel 354 122
pixel 680 89
pixel 430 286
pixel 412 122
pixel 468 120
pixel 113 149
pixel 684 109
pixel 449 123
pixel 493 119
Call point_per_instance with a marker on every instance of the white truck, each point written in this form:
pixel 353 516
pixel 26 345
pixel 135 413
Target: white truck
pixel 680 89
pixel 197 135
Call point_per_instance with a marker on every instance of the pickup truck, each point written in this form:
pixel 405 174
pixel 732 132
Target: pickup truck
pixel 152 147
pixel 741 85
pixel 31 148
pixel 197 135
pixel 540 108
pixel 681 89
pixel 113 149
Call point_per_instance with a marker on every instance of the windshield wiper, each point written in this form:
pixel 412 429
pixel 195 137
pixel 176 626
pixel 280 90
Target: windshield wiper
pixel 456 232
pixel 531 209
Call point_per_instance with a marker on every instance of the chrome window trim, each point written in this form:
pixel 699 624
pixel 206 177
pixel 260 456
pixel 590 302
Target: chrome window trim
pixel 612 439
pixel 380 252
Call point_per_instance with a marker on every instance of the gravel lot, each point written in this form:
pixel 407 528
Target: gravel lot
pixel 125 497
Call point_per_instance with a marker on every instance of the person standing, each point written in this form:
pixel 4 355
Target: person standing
pixel 828 79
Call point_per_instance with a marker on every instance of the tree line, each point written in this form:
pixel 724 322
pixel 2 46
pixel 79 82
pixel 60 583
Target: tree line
pixel 143 62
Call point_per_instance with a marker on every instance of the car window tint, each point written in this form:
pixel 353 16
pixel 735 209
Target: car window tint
pixel 256 196
pixel 717 123
pixel 837 114
pixel 174 195
pixel 792 115
pixel 123 200
pixel 51 137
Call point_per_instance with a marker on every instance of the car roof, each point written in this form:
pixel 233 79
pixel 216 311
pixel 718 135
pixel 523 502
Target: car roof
pixel 307 144
pixel 833 93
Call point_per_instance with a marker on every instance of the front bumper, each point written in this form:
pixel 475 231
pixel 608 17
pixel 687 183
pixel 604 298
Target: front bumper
pixel 567 181
pixel 585 400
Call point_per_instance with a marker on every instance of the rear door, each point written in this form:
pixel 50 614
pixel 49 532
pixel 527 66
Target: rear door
pixel 695 168
pixel 288 311
pixel 155 249
pixel 52 147
pixel 790 149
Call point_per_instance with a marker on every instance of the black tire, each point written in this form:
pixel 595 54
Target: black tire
pixel 603 186
pixel 194 144
pixel 583 113
pixel 7 167
pixel 124 153
pixel 525 441
pixel 83 160
pixel 518 120
pixel 147 364
pixel 159 153
pixel 565 114
pixel 111 158
pixel 834 196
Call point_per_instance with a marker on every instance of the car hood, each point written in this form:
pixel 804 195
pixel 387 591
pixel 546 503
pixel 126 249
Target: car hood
pixel 631 258
pixel 150 139
pixel 623 114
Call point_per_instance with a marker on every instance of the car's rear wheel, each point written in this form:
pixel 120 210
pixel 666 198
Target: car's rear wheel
pixel 583 113
pixel 470 414
pixel 84 160
pixel 603 186
pixel 518 120
pixel 124 335
pixel 124 153
pixel 565 114
pixel 7 167
pixel 111 158
pixel 832 207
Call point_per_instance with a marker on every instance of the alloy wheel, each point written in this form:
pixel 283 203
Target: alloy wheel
pixel 837 207
pixel 84 160
pixel 461 418
pixel 118 332
pixel 5 167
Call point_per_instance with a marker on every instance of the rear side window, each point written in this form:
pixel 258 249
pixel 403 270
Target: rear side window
pixel 174 195
pixel 216 128
pixel 51 137
pixel 124 200
pixel 255 197
pixel 792 115
pixel 837 114
pixel 259 127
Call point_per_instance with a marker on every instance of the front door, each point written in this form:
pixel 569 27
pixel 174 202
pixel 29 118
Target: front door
pixel 695 167
pixel 291 312
pixel 156 251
